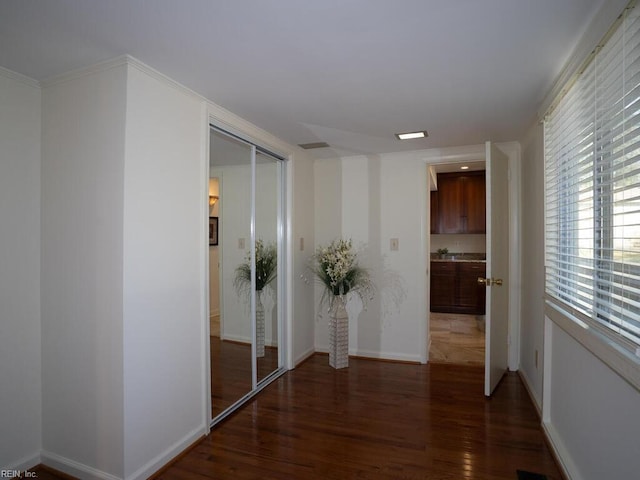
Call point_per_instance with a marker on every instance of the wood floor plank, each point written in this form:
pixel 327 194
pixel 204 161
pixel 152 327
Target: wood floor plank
pixel 376 420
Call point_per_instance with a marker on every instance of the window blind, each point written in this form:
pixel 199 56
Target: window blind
pixel 592 197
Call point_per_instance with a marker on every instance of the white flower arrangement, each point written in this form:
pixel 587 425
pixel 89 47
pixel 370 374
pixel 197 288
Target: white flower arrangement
pixel 266 269
pixel 336 266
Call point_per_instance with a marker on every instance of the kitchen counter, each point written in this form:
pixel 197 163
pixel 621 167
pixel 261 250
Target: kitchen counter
pixel 459 257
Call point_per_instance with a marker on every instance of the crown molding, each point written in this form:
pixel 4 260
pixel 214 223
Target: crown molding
pixel 152 72
pixel 223 118
pixel 18 77
pixel 84 71
pixel 122 60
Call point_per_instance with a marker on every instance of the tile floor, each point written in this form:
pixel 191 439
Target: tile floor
pixel 456 338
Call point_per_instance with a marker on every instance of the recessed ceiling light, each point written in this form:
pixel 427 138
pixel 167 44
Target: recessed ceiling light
pixel 464 167
pixel 410 135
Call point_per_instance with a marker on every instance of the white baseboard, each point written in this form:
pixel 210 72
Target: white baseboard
pixel 168 455
pixel 556 445
pixel 238 339
pixel 78 470
pixel 561 454
pixel 527 385
pixel 73 468
pixel 401 357
pixel 303 357
pixel 25 463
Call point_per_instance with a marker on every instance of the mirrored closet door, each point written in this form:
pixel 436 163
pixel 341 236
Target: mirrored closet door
pixel 246 269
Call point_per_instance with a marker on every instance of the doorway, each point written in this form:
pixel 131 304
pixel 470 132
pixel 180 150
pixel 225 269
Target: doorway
pixel 457 260
pixel 246 267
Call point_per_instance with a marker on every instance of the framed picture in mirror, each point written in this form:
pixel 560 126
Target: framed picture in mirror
pixel 213 230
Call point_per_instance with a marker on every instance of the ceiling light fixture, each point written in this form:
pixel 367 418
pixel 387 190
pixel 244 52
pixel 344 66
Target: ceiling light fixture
pixel 464 167
pixel 411 135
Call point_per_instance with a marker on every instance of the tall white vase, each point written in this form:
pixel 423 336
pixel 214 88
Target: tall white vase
pixel 259 325
pixel 338 334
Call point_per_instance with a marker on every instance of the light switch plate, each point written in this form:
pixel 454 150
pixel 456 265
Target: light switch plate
pixel 241 243
pixel 394 245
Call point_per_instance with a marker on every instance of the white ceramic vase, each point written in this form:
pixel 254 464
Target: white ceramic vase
pixel 338 334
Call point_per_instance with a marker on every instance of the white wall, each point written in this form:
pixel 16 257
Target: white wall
pixel 327 188
pixel 372 192
pixel 20 370
pixel 373 199
pixel 302 238
pixel 593 413
pixel 531 315
pixel 82 213
pixel 165 231
pixel 123 271
pixel 109 381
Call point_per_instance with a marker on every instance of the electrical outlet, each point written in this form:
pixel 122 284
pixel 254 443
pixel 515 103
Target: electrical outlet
pixel 394 244
pixel 241 243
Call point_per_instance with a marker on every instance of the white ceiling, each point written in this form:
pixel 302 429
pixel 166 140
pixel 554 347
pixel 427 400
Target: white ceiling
pixel 347 72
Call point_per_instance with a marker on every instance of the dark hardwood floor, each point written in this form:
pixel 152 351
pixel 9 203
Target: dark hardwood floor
pixel 375 420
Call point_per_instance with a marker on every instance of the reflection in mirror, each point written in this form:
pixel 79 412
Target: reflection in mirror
pixel 267 259
pixel 231 332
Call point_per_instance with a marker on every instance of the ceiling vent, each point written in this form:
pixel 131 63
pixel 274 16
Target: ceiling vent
pixel 311 146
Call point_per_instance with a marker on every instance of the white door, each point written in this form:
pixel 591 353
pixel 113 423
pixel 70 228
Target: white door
pixel 497 276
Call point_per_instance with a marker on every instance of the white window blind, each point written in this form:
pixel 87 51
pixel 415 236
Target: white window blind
pixel 592 170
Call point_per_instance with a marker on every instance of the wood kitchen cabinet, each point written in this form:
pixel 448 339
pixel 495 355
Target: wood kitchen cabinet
pixel 471 296
pixel 459 204
pixel 443 286
pixel 455 288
